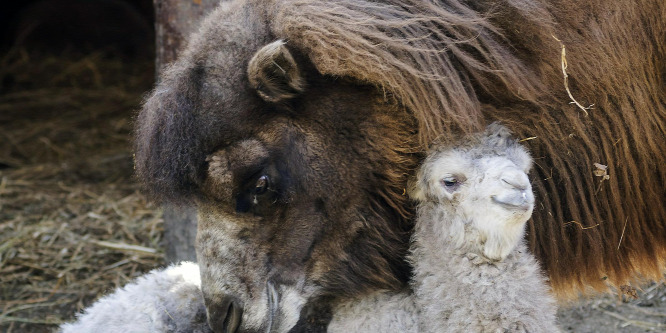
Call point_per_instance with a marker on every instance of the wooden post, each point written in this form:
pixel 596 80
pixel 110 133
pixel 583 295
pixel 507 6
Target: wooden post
pixel 180 231
pixel 175 20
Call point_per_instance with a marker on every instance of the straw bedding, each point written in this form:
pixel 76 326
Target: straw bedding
pixel 72 222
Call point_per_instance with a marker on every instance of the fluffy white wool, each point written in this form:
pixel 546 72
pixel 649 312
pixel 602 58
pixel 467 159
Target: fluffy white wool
pixel 164 300
pixel 378 312
pixel 457 294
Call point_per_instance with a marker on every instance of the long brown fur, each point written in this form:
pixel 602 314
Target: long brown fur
pixel 429 54
pixel 453 65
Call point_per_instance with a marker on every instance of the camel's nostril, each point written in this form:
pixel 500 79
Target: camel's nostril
pixel 516 183
pixel 233 319
pixel 225 316
pixel 523 200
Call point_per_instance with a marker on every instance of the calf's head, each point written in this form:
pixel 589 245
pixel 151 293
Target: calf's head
pixel 298 178
pixel 481 188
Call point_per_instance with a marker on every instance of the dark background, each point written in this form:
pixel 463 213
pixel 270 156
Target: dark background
pixel 78 25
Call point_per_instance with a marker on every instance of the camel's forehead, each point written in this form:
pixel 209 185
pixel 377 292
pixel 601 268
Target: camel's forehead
pixel 466 164
pixel 212 71
pixel 451 162
pixel 203 101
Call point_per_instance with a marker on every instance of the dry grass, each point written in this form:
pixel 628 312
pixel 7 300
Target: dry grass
pixel 72 222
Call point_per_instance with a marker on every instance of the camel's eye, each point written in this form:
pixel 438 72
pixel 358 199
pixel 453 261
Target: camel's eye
pixel 257 195
pixel 451 183
pixel 262 185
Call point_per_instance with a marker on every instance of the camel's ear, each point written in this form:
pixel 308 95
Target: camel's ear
pixel 273 72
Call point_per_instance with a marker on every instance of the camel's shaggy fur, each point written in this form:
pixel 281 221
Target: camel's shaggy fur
pixel 472 269
pixel 164 300
pixel 430 54
pixel 377 82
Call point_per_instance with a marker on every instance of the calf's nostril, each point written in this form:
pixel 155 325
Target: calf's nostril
pixel 225 316
pixel 515 183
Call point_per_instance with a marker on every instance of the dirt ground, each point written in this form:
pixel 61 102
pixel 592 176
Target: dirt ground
pixel 610 313
pixel 73 224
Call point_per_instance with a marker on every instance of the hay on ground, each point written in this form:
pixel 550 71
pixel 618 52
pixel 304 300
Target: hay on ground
pixel 73 224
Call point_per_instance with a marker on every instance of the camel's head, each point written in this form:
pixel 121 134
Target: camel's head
pixel 482 183
pixel 297 177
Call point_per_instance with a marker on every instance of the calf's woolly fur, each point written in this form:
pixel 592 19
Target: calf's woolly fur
pixel 164 300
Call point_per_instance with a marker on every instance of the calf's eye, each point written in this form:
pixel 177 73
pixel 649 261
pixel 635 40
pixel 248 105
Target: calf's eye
pixel 451 183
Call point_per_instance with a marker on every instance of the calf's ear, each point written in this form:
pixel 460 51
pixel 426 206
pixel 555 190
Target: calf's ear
pixel 274 74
